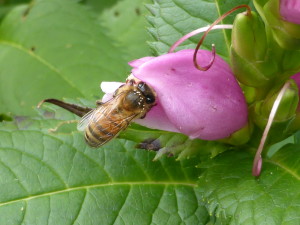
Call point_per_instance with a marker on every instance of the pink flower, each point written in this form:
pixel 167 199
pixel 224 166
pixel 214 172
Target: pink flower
pixel 290 10
pixel 208 105
pixel 296 78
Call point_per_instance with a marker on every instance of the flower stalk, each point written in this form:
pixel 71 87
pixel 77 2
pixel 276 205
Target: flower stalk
pixel 257 163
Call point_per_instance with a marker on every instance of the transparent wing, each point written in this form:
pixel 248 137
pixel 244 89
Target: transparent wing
pixel 102 112
pixel 97 113
pixel 116 127
pixel 86 119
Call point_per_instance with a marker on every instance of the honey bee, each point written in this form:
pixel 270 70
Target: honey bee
pixel 130 101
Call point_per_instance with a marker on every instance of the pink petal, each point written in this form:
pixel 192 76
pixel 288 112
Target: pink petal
pixel 296 78
pixel 208 105
pixel 156 118
pixel 138 62
pixel 290 10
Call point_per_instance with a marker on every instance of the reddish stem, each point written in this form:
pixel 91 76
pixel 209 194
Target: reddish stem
pixel 213 47
pixel 257 164
pixel 198 31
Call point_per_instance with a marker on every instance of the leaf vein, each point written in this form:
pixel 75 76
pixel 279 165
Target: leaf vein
pixel 15 175
pixel 118 215
pixel 182 8
pixel 158 203
pixel 37 159
pixel 81 207
pixel 41 60
pixel 223 30
pixel 152 183
pixel 285 168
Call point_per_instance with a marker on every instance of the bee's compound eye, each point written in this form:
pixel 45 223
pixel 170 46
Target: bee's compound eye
pixel 141 86
pixel 150 99
pixel 132 96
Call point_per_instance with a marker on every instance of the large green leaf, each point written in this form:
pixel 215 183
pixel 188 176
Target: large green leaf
pixel 53 49
pixel 98 5
pixel 6 6
pixel 234 196
pixel 173 18
pixel 54 178
pixel 126 23
pixel 58 49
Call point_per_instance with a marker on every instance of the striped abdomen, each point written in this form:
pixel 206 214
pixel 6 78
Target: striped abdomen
pixel 99 132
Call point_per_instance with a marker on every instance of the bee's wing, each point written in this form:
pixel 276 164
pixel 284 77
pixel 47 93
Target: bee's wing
pixel 117 127
pixel 86 119
pixel 110 128
pixel 102 112
pixel 96 114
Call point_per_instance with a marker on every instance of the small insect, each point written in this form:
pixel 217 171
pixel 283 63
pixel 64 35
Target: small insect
pixel 130 101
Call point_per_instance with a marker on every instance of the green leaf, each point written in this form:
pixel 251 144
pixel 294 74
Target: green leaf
pixel 54 178
pixel 6 6
pixel 234 196
pixel 54 49
pixel 5 117
pixel 175 144
pixel 190 15
pixel 126 23
pixel 98 5
pixel 297 137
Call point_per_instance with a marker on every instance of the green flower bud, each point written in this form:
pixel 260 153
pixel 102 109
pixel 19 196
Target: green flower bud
pixel 286 34
pixel 250 56
pixel 239 137
pixel 295 125
pixel 286 112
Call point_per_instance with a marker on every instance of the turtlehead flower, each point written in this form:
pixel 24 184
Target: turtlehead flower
pixel 290 10
pixel 208 105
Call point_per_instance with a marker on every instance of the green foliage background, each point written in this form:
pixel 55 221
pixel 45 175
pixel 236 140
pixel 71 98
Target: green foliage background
pixel 64 49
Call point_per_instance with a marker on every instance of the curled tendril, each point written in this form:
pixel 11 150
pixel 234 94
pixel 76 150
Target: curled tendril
pixel 207 31
pixel 198 31
pixel 257 163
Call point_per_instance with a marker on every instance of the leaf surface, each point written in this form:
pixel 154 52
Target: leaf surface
pixel 54 178
pixel 126 23
pixel 234 196
pixel 53 49
pixel 174 18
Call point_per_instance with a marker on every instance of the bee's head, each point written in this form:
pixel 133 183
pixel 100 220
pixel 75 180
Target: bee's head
pixel 139 97
pixel 147 92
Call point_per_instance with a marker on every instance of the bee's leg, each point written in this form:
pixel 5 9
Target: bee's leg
pixel 150 144
pixel 131 82
pixel 52 130
pixel 141 116
pixel 76 109
pixel 99 102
